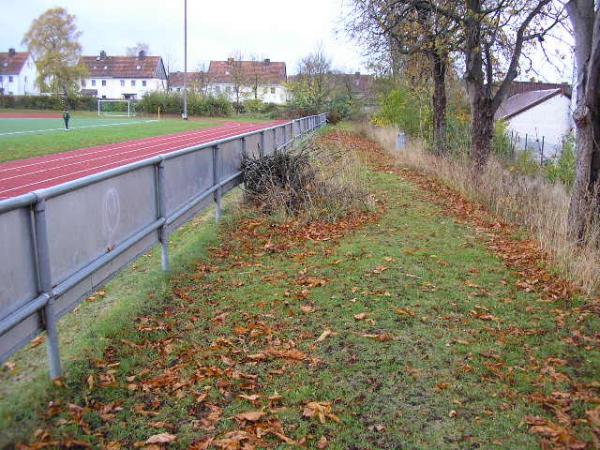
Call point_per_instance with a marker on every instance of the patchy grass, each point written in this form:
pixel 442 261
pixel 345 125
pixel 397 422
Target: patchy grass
pixel 401 329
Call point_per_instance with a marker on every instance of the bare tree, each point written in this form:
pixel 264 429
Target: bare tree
pixel 585 18
pixel 238 76
pixel 314 84
pixel 137 48
pixel 407 28
pixel 169 61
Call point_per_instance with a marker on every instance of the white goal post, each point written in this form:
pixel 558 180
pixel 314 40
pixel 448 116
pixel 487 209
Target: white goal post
pixel 116 108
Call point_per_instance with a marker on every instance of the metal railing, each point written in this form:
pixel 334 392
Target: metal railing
pixel 60 244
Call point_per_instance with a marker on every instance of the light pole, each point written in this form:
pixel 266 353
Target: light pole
pixel 185 111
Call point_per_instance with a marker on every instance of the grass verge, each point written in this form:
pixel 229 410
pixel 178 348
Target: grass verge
pixel 401 329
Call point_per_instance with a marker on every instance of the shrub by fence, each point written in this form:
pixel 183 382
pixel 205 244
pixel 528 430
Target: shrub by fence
pixel 172 103
pixel 68 240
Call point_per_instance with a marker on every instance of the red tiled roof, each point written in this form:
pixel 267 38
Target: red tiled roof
pixel 123 66
pixel 176 78
pixel 522 102
pixel 267 72
pixel 12 64
pixel 519 87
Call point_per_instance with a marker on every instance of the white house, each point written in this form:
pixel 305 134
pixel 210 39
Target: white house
pixel 123 77
pixel 539 116
pixel 264 80
pixel 17 73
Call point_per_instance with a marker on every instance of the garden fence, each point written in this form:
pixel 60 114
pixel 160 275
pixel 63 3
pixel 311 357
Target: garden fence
pixel 60 244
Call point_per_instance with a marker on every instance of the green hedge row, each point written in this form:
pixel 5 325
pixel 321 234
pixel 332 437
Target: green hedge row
pixel 47 102
pixel 172 103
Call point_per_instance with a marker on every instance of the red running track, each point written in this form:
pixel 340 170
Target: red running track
pixel 23 176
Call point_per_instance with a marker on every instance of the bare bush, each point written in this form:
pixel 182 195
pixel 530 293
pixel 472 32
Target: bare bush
pixel 530 201
pixel 309 183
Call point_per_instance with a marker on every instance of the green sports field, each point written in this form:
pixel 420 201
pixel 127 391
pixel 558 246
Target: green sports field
pixel 26 138
pixel 15 127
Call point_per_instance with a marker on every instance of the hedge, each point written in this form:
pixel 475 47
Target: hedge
pixel 172 103
pixel 47 102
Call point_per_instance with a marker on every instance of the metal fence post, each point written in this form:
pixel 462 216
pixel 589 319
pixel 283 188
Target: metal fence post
pixel 45 280
pixel 163 235
pixel 261 150
pixel 216 180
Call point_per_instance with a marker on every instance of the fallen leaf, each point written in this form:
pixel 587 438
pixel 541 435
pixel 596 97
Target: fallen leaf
pixel 324 335
pixel 361 316
pixel 162 438
pixel 323 443
pixel 251 416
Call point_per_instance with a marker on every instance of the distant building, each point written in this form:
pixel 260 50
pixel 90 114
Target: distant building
pixel 264 80
pixel 196 82
pixel 538 116
pixel 17 73
pixel 123 77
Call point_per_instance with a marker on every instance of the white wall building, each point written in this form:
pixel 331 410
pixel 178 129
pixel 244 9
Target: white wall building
pixel 123 77
pixel 540 114
pixel 18 74
pixel 262 79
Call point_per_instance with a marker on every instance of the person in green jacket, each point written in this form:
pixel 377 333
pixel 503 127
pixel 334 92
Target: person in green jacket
pixel 66 118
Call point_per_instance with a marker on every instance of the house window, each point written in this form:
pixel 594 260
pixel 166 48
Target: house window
pixel 227 89
pixel 0 78
pixel 218 89
pixel 132 82
pixel 272 90
pixel 178 89
pixel 144 83
pixel 83 83
pixel 10 79
pixel 104 96
pixel 25 79
pixel 122 83
pixel 103 82
pixel 265 90
pixel 93 82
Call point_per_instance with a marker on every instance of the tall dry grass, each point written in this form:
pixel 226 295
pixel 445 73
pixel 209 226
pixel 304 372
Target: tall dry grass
pixel 529 201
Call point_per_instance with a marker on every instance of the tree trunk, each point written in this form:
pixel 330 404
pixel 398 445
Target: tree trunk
pixel 439 104
pixel 482 131
pixel 585 198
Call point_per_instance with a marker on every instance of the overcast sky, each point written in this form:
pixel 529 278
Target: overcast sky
pixel 283 30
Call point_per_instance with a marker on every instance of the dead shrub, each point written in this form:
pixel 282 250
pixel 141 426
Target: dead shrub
pixel 529 201
pixel 309 183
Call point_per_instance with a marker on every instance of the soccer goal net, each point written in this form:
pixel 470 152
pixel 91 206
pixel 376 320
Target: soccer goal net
pixel 116 108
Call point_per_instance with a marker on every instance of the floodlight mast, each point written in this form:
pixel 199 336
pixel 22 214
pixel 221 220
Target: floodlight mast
pixel 185 106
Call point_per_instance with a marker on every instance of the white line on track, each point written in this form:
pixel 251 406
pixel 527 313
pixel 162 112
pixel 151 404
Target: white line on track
pixel 180 143
pixel 44 160
pixel 137 122
pixel 95 169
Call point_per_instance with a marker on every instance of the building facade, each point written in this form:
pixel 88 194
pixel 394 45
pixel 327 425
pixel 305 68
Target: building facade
pixel 122 77
pixel 542 118
pixel 18 73
pixel 248 80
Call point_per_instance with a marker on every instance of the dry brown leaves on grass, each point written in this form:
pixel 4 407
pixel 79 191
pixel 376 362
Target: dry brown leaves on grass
pixel 526 259
pixel 225 366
